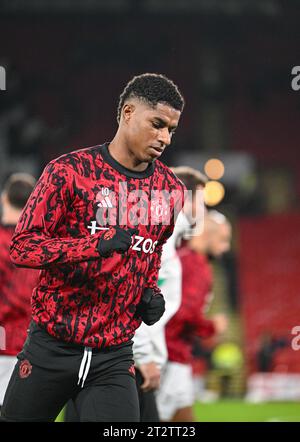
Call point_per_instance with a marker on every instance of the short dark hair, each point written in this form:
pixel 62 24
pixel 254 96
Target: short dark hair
pixel 153 89
pixel 18 188
pixel 190 177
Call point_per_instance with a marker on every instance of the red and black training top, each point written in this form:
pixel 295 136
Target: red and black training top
pixel 81 297
pixel 16 287
pixel 189 321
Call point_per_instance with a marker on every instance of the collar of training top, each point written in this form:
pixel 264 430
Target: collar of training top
pixel 129 173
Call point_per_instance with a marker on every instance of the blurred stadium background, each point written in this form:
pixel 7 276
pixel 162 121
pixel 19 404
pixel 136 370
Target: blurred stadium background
pixel 66 63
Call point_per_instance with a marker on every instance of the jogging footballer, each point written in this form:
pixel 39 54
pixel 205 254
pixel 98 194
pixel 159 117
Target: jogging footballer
pixel 93 229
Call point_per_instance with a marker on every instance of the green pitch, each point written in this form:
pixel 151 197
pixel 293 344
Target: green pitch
pixel 239 411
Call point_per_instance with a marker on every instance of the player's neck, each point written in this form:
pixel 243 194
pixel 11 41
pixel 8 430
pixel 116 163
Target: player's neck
pixel 119 150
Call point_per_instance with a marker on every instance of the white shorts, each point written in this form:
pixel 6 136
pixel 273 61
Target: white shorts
pixel 176 390
pixel 7 365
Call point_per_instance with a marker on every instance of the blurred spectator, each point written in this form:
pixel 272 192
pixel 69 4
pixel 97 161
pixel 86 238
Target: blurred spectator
pixel 268 346
pixel 16 284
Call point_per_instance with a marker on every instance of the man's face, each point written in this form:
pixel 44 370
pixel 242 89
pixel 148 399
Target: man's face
pixel 148 130
pixel 220 241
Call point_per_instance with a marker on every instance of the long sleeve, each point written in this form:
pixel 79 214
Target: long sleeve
pixel 142 345
pixel 197 282
pixel 152 276
pixel 35 243
pixel 195 317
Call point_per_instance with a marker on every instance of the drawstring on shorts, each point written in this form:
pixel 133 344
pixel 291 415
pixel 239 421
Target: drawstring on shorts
pixel 85 365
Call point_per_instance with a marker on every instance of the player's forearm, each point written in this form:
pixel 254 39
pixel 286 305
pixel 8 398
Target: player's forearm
pixel 152 276
pixel 153 271
pixel 35 250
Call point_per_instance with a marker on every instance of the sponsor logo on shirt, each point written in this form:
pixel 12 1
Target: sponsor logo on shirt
pixel 139 243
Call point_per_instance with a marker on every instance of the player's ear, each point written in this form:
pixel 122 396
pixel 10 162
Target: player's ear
pixel 127 111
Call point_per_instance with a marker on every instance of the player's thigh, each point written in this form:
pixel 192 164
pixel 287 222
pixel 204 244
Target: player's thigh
pixel 116 400
pixel 176 390
pixel 71 413
pixel 34 394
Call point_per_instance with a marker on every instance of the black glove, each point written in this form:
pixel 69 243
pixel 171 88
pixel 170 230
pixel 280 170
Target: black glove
pixel 151 307
pixel 115 240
